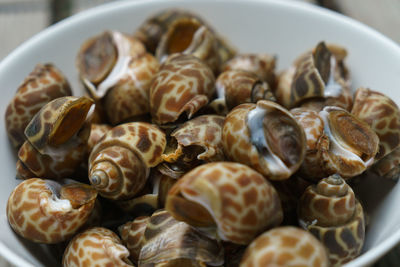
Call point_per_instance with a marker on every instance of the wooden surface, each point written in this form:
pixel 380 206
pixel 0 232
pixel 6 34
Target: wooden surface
pixel 21 19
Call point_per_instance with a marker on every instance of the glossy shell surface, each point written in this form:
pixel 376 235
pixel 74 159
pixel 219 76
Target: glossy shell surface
pixel 330 211
pixel 231 198
pixel 119 164
pixel 44 211
pixel 382 114
pixel 181 243
pixel 96 246
pixel 201 132
pixel 56 139
pixel 266 137
pixel 183 84
pixel 43 84
pixel 285 246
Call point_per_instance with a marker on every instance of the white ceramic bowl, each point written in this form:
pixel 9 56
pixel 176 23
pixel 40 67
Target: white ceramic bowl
pixel 285 28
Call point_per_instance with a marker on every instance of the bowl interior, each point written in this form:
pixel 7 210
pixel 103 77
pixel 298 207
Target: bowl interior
pixel 283 28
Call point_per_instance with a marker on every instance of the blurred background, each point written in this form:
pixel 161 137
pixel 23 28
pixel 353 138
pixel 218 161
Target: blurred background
pixel 21 19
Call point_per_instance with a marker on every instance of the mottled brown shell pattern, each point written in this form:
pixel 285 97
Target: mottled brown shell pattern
pixel 389 165
pixel 285 246
pixel 231 198
pixel 183 84
pixel 96 246
pixel 205 132
pixel 348 146
pixel 132 235
pixel 331 213
pixel 42 85
pixel 180 243
pixel 318 77
pixel 44 211
pixel 330 202
pixel 119 164
pixel 313 127
pixel 263 65
pixel 56 139
pixel 97 131
pixel 266 137
pixel 382 114
pixel 129 98
pixel 238 87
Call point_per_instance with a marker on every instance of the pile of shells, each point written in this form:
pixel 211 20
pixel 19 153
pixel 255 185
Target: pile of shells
pixel 185 152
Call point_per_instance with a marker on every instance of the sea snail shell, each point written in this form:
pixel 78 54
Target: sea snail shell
pixel 316 74
pixel 182 245
pixel 197 139
pixel 285 246
pixel 183 84
pixel 96 246
pixel 262 65
pixel 45 211
pixel 117 71
pixel 235 87
pixel 266 137
pixel 330 211
pixel 226 199
pixel 337 142
pixel 382 114
pixel 56 139
pixel 43 84
pixel 190 37
pixel 119 164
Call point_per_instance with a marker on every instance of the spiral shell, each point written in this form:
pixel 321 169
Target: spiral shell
pixel 266 137
pixel 382 114
pixel 43 84
pixel 116 69
pixel 119 164
pixel 388 166
pixel 262 65
pixel 96 246
pixel 45 211
pixel 285 246
pixel 313 126
pixel 229 199
pixel 189 36
pixel 197 139
pixel 56 139
pixel 97 131
pixel 348 146
pixel 183 84
pixel 318 74
pixel 157 27
pixel 132 235
pixel 330 211
pixel 238 87
pixel 182 244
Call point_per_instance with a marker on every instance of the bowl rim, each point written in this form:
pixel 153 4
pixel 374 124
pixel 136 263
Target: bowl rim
pixel 366 258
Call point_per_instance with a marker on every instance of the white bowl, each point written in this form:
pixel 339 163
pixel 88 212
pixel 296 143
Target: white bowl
pixel 284 28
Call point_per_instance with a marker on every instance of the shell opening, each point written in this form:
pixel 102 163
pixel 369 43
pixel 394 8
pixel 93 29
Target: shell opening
pixel 97 58
pixel 71 121
pixel 275 138
pixel 190 211
pixel 349 139
pixel 121 67
pixel 181 36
